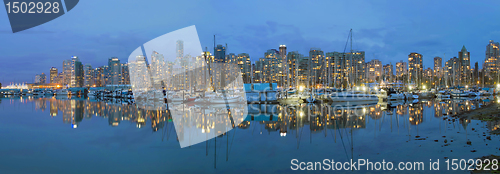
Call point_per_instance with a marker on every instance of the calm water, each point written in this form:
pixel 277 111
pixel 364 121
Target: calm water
pixel 49 135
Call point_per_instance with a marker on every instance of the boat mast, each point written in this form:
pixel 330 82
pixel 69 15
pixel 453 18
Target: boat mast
pixel 352 63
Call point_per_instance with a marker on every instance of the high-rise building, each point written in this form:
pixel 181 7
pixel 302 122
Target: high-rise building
pixel 335 67
pixel 179 47
pixel 244 64
pixel 270 66
pixel 428 75
pixel 88 76
pixel 98 77
pixel 37 78
pixel 105 76
pixel 125 74
pixel 293 64
pixel 43 78
pixel 53 75
pixel 415 68
pixel 388 73
pixel 374 71
pixel 357 67
pixel 438 67
pixel 140 73
pixel 76 74
pixel 451 72
pixel 464 64
pixel 258 71
pixel 401 70
pixel 492 61
pixel 283 66
pixel 219 54
pixel 66 73
pixel 316 64
pixel 114 71
pixel 60 78
pixel 79 74
pixel 475 74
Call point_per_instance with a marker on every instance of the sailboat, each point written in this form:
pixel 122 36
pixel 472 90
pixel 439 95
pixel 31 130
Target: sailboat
pixel 351 95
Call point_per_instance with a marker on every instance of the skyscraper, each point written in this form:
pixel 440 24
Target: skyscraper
pixel 53 75
pixel 98 77
pixel 158 72
pixel 388 73
pixel 491 62
pixel 79 74
pixel 374 70
pixel 125 74
pixel 316 63
pixel 76 72
pixel 335 67
pixel 293 58
pixel 114 71
pixel 415 68
pixel 270 66
pixel 283 66
pixel 88 76
pixel 438 67
pixel 244 62
pixel 401 69
pixel 43 78
pixel 464 64
pixel 451 71
pixel 66 73
pixel 60 78
pixel 179 47
pixel 220 54
pixel 37 78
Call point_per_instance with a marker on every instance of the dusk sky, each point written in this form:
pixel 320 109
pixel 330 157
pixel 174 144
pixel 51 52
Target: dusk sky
pixel 386 30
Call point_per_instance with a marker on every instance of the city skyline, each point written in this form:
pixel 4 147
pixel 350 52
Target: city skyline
pixel 386 33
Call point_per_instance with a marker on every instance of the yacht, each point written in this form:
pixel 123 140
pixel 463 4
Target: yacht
pixel 63 92
pixel 442 95
pixel 352 96
pixel 49 93
pixel 459 93
pixel 395 95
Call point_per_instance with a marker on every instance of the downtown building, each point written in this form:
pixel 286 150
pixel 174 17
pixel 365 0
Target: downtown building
pixel 388 73
pixel 316 64
pixel 451 72
pixel 464 67
pixel 73 74
pixel 491 65
pixel 415 68
pixel 438 67
pixel 374 71
pixel 88 76
pixel 401 71
pixel 293 58
pixel 114 71
pixel 244 63
pixel 53 75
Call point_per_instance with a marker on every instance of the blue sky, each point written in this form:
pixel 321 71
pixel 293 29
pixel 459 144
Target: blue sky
pixel 386 30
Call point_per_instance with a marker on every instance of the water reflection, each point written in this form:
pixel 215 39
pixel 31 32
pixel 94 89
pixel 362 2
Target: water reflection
pixel 274 117
pixel 356 130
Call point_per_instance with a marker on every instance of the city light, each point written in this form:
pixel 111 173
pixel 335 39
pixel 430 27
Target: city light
pixel 301 88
